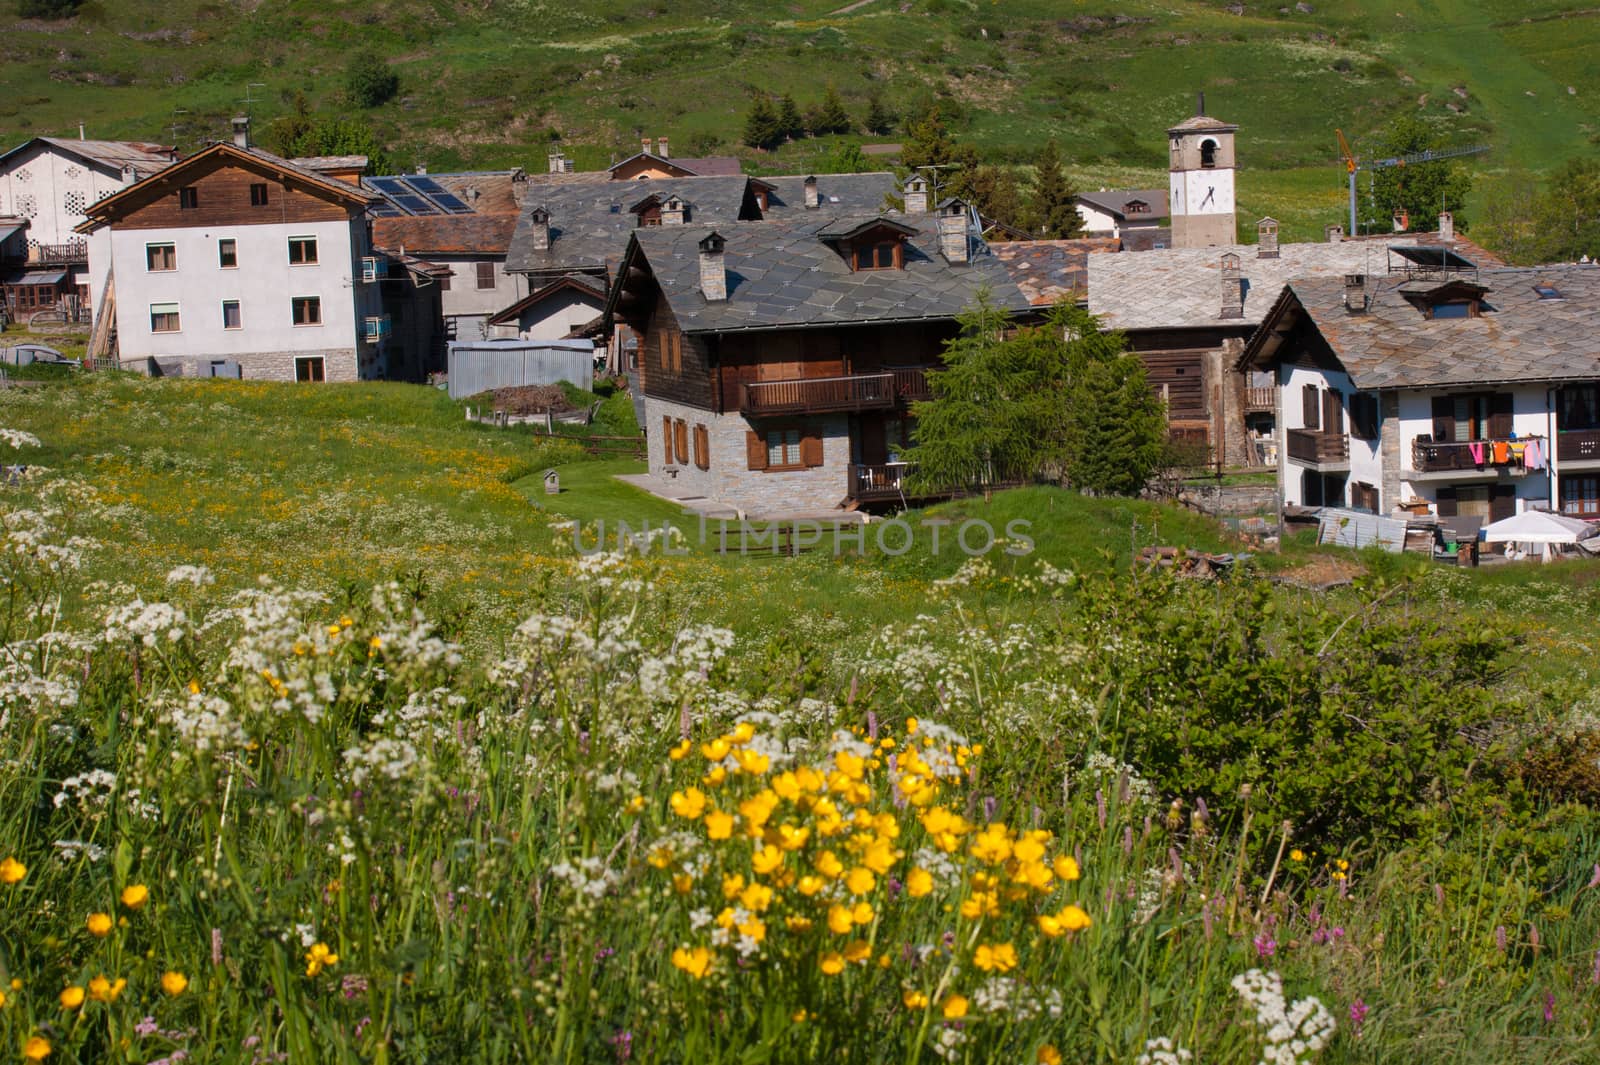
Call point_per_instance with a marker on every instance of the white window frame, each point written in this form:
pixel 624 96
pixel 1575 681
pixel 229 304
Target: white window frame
pixel 306 325
pixel 228 240
pixel 298 359
pixel 316 252
pixel 239 306
pixel 149 246
pixel 176 310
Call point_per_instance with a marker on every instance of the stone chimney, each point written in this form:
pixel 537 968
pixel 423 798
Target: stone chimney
pixel 1333 234
pixel 1267 238
pixel 557 161
pixel 916 194
pixel 713 274
pixel 953 242
pixel 661 149
pixel 646 146
pixel 812 199
pixel 1232 288
pixel 674 211
pixel 1356 299
pixel 1401 220
pixel 541 228
pixel 1447 227
pixel 241 131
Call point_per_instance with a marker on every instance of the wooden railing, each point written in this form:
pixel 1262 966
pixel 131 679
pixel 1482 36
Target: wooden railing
pixel 1309 446
pixel 59 254
pixel 911 383
pixel 1441 456
pixel 1578 445
pixel 876 481
pixel 1261 399
pixel 852 392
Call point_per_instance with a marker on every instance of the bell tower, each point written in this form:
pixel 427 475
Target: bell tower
pixel 1200 193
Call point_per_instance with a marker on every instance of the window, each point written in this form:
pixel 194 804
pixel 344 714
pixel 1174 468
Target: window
pixel 1364 496
pixel 163 318
pixel 666 439
pixel 309 368
pixel 672 351
pixel 230 315
pixel 1472 417
pixel 1580 496
pixel 1548 292
pixel 1310 408
pixel 486 275
pixel 680 441
pixel 1453 310
pixel 702 447
pixel 877 256
pixel 1208 154
pixel 258 195
pixel 1579 407
pixel 302 251
pixel 307 310
pixel 1136 207
pixel 783 447
pixel 228 253
pixel 188 198
pixel 160 257
pixel 1472 501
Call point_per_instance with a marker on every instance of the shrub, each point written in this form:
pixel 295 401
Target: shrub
pixel 49 9
pixel 370 81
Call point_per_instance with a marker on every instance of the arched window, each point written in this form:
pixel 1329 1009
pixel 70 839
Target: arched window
pixel 1208 154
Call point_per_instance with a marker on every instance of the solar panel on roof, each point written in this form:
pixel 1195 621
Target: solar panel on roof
pixel 438 194
pixel 385 209
pixel 414 204
pixel 1425 255
pixel 388 185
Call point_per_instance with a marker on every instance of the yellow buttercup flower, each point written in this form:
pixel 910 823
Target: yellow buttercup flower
pixel 799 1016
pixel 742 733
pixel 696 962
pixel 832 963
pixel 955 1007
pixel 719 824
pixel 766 859
pixel 829 865
pixel 319 957
pixel 37 1048
pixel 1066 867
pixel 861 913
pixel 756 898
pixel 857 950
pixel 689 803
pixel 810 885
pixel 840 921
pixel 1048 1055
pixel 1297 855
pixel 919 882
pixel 174 983
pixel 680 751
pixel 1000 957
pixel 71 998
pixel 914 1000
pixel 1073 918
pixel 1050 925
pixel 12 871
pixel 135 896
pixel 103 990
pixel 716 750
pixel 860 881
pixel 99 924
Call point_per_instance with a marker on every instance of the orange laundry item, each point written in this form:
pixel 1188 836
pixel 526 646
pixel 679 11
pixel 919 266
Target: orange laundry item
pixel 1502 452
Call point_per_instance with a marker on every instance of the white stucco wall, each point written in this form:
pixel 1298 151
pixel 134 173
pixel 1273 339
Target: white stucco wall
pixel 554 317
pixel 1529 417
pixel 1096 221
pixel 37 185
pixel 465 298
pixel 1366 457
pixel 264 282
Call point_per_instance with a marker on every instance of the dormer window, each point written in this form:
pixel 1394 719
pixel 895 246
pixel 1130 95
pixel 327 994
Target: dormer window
pixel 869 244
pixel 884 256
pixel 1455 309
pixel 1137 207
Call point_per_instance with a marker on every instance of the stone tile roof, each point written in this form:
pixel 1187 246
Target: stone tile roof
pixel 1048 271
pixel 840 192
pixel 1146 238
pixel 782 274
pixel 1519 337
pixel 587 234
pixel 1202 122
pixel 1115 201
pixel 332 162
pixel 144 158
pixel 709 165
pixel 446 234
pixel 1175 288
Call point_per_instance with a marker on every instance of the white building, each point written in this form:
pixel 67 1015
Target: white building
pixel 235 254
pixel 1113 212
pixel 1474 393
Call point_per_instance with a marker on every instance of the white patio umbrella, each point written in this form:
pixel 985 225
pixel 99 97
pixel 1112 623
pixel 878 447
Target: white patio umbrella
pixel 1538 527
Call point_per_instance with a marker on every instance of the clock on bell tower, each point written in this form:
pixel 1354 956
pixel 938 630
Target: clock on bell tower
pixel 1200 181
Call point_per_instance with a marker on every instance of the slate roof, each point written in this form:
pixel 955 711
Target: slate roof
pixel 332 162
pixel 1048 271
pixel 144 158
pixel 783 275
pixel 1115 202
pixel 695 166
pixel 1519 338
pixel 1174 288
pixel 587 235
pixel 446 234
pixel 1202 122
pixel 840 192
pixel 1146 238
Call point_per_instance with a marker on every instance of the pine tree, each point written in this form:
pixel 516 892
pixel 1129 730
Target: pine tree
pixel 831 117
pixel 1052 213
pixel 878 118
pixel 761 124
pixel 1115 428
pixel 789 122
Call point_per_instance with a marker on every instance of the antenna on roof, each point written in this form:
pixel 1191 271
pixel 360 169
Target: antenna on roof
pixel 248 99
pixel 176 111
pixel 1200 105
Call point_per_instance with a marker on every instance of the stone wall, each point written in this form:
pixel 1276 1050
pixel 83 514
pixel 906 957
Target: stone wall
pixel 339 364
pixel 730 480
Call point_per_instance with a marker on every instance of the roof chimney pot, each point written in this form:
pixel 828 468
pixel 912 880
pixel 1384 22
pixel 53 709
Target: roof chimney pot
pixel 661 146
pixel 812 199
pixel 1333 234
pixel 1356 299
pixel 1267 238
pixel 916 194
pixel 541 228
pixel 1447 227
pixel 954 244
pixel 1232 288
pixel 713 273
pixel 241 131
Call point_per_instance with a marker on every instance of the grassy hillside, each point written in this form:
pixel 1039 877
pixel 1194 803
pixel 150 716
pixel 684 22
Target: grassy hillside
pixel 489 84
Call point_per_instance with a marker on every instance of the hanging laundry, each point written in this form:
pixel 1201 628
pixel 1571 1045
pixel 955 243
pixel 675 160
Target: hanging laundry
pixel 1475 449
pixel 1517 448
pixel 1533 455
pixel 1501 452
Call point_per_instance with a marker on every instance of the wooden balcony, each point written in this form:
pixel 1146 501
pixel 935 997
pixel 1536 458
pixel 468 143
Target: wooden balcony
pixel 59 254
pixel 1444 457
pixel 1318 449
pixel 1261 400
pixel 821 395
pixel 878 482
pixel 1578 445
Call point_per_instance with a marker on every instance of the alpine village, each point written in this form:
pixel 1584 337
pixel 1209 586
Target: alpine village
pixel 905 531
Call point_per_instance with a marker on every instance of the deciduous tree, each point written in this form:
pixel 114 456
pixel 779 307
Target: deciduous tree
pixel 1422 190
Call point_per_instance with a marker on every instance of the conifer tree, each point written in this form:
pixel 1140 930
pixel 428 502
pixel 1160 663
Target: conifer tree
pixel 830 116
pixel 789 122
pixel 1052 214
pixel 761 124
pixel 878 118
pixel 1116 427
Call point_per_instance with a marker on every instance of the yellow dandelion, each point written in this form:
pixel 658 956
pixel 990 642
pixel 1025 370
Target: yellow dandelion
pixel 174 983
pixel 135 896
pixel 99 924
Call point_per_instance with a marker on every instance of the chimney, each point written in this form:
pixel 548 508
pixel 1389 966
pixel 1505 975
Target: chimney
pixel 811 192
pixel 556 166
pixel 472 194
pixel 646 146
pixel 674 211
pixel 1401 220
pixel 1356 299
pixel 1447 227
pixel 953 242
pixel 916 195
pixel 422 169
pixel 80 132
pixel 1334 233
pixel 541 228
pixel 713 274
pixel 1267 238
pixel 1232 288
pixel 241 131
pixel 129 175
pixel 661 149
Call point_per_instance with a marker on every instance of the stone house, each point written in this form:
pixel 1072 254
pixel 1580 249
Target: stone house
pixel 778 359
pixel 1473 393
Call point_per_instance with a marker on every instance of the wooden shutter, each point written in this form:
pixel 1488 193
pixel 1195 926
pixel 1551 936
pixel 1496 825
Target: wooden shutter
pixel 1502 500
pixel 1445 497
pixel 666 439
pixel 755 446
pixel 702 447
pixel 1310 407
pixel 810 448
pixel 1333 410
pixel 680 441
pixel 1444 430
pixel 1500 416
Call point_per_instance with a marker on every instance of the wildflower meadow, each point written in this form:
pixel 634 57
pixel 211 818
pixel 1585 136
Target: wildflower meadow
pixel 365 763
